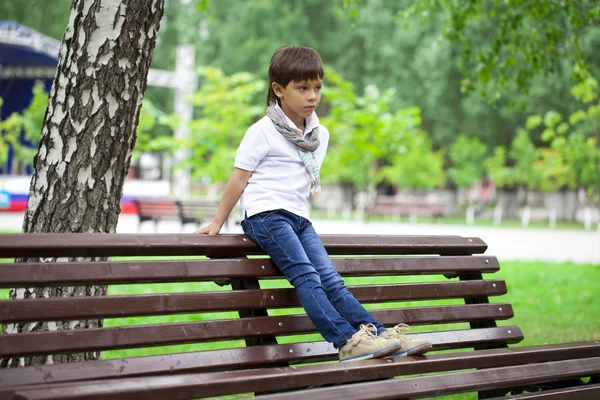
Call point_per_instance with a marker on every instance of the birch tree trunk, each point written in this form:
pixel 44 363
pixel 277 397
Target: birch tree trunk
pixel 87 137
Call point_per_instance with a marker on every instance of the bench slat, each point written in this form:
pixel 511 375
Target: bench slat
pixel 159 210
pixel 458 382
pixel 584 392
pixel 232 382
pixel 63 308
pixel 227 245
pixel 155 209
pixel 180 333
pixel 252 357
pixel 116 272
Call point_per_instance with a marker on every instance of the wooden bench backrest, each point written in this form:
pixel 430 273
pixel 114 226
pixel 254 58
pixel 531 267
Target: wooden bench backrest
pixel 198 208
pixel 150 208
pixel 354 256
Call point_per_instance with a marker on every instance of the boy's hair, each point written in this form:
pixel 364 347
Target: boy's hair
pixel 293 63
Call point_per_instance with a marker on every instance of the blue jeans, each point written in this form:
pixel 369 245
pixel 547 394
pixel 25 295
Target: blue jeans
pixel 295 248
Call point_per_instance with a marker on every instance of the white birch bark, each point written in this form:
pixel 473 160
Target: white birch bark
pixel 87 137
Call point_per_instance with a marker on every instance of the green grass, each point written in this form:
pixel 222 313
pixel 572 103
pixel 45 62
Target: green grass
pixel 553 302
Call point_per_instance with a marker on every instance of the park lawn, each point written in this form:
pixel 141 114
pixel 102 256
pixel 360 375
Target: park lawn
pixel 553 302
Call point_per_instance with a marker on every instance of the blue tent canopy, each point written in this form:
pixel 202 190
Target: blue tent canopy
pixel 25 57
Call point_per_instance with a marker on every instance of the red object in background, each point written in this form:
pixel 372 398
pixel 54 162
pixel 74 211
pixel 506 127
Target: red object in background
pixel 128 207
pixel 15 207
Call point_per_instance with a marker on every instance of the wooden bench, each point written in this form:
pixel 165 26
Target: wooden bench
pixel 390 206
pixel 195 212
pixel 156 210
pixel 200 212
pixel 268 354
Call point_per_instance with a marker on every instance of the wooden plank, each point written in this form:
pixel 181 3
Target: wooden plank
pixel 384 244
pixel 63 308
pixel 243 358
pixel 150 207
pixel 459 382
pixel 583 392
pixel 117 272
pixel 179 333
pixel 231 382
pixel 226 245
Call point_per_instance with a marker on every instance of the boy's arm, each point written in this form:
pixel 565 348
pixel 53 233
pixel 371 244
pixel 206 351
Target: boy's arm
pixel 233 190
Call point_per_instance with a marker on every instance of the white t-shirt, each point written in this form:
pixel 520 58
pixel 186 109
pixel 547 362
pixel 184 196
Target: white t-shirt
pixel 279 178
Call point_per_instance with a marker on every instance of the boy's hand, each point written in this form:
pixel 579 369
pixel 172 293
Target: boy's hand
pixel 231 194
pixel 212 229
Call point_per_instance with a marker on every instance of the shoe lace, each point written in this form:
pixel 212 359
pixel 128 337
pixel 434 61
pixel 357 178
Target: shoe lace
pixel 400 330
pixel 366 332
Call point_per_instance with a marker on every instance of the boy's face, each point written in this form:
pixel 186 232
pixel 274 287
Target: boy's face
pixel 299 99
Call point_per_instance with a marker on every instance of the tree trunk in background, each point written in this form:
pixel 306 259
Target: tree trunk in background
pixel 509 201
pixel 564 202
pixel 88 134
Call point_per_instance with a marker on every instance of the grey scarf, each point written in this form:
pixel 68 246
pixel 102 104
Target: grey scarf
pixel 305 147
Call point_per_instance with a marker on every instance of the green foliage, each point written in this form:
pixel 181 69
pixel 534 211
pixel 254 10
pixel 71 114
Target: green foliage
pixel 368 43
pixel 507 50
pixel 350 7
pixel 356 132
pixel 554 173
pixel 497 169
pixel 154 131
pixel 585 91
pixel 466 157
pixel 10 132
pixel 417 165
pixel 533 122
pixel 226 110
pixel 573 157
pixel 202 5
pixel 49 18
pixel 569 157
pixel 583 155
pixel 33 116
pixel 506 43
pixel 525 165
pixel 523 155
pixel 367 134
pixel 30 121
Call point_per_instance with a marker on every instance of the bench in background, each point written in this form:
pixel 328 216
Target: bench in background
pixel 156 210
pixel 196 212
pixel 391 206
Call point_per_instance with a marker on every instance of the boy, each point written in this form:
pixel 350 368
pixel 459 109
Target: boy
pixel 276 169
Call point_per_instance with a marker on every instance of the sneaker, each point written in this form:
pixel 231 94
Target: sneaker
pixel 365 344
pixel 410 346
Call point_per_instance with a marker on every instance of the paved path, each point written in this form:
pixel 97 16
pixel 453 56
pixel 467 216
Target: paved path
pixel 505 243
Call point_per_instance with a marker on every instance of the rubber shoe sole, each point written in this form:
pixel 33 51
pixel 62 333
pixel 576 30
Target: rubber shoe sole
pixel 376 354
pixel 415 351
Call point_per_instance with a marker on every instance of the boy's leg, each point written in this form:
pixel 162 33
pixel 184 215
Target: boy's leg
pixel 275 233
pixel 333 284
pixel 345 302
